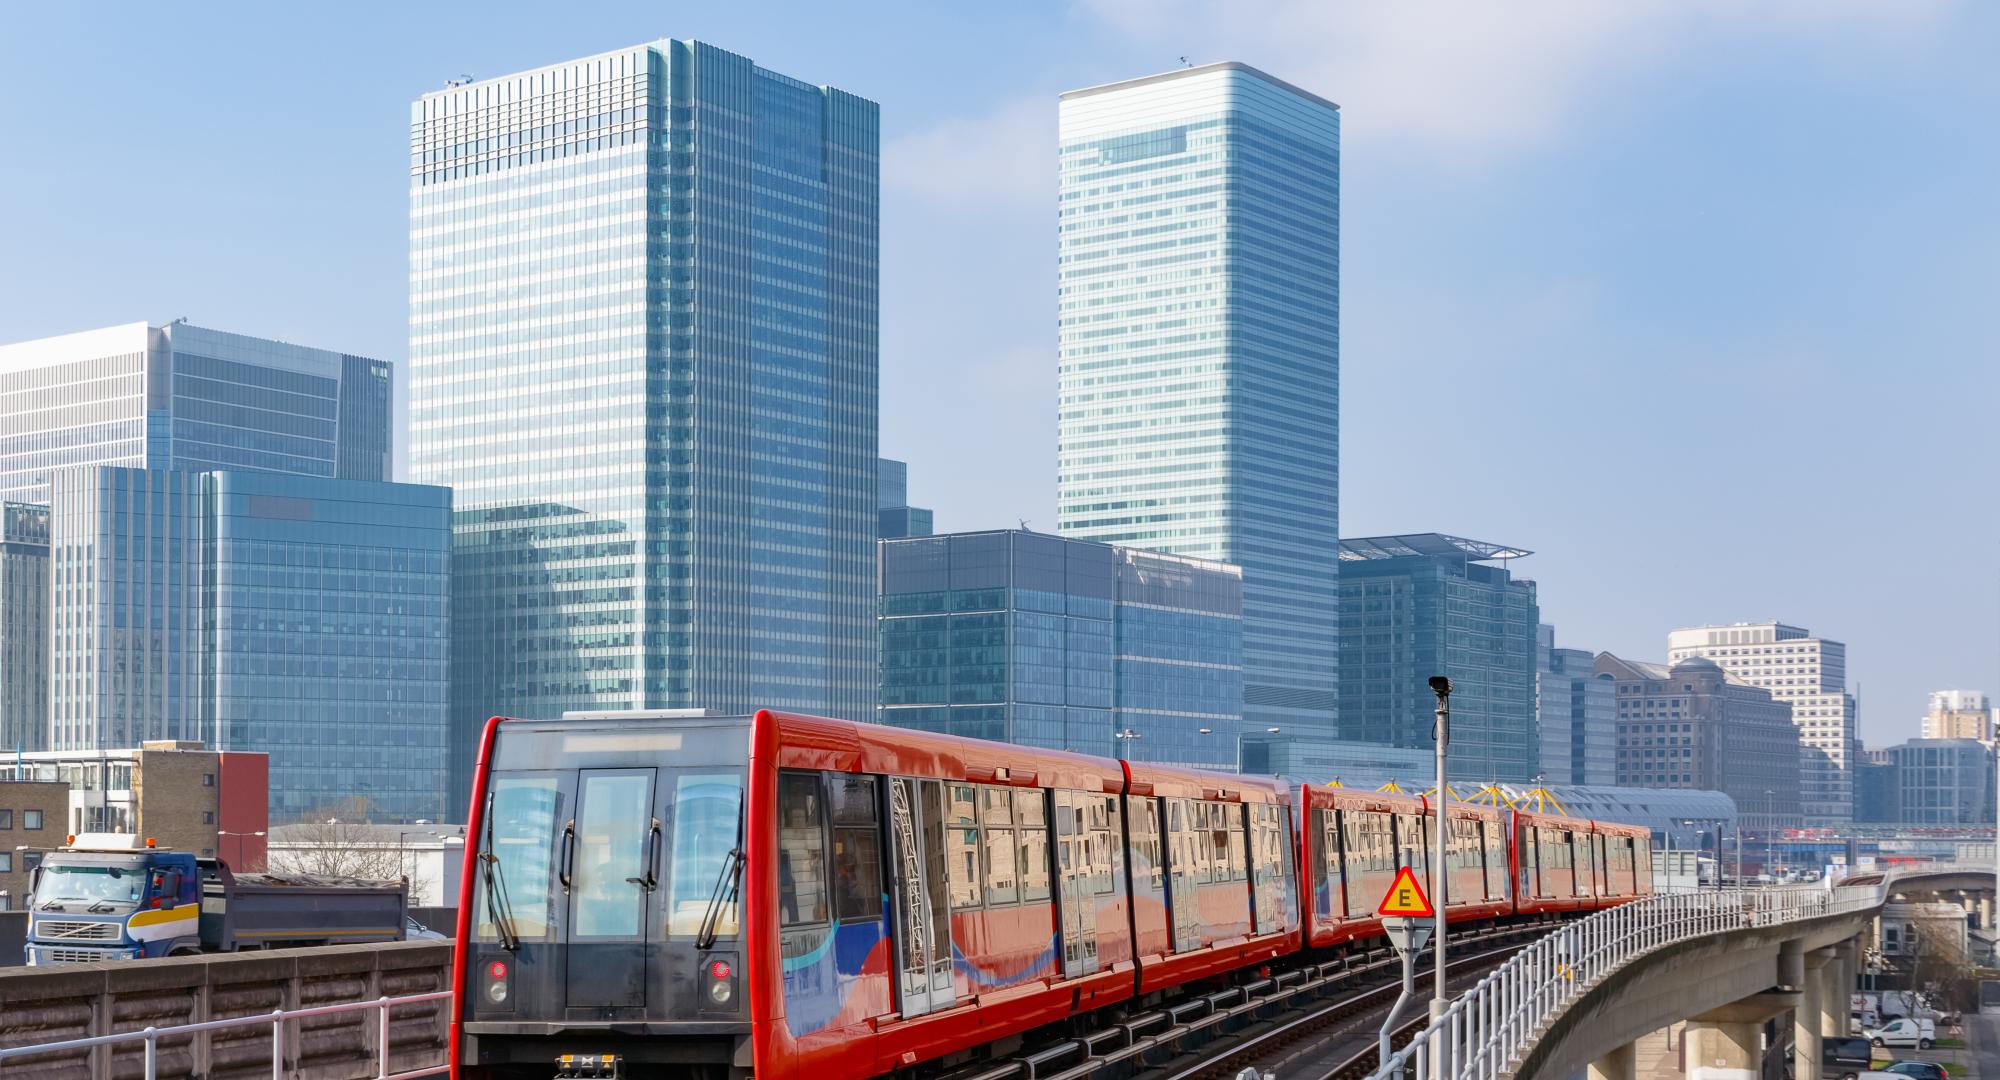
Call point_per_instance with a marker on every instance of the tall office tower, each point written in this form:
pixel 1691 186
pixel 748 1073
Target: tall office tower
pixel 1959 714
pixel 1808 673
pixel 185 397
pixel 896 517
pixel 24 626
pixel 1427 604
pixel 643 295
pixel 1199 286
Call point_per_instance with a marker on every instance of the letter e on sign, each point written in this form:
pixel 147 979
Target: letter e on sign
pixel 1406 898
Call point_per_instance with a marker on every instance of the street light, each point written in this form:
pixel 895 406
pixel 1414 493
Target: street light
pixel 1128 733
pixel 1441 686
pixel 239 840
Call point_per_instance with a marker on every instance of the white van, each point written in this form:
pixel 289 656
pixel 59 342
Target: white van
pixel 1921 1034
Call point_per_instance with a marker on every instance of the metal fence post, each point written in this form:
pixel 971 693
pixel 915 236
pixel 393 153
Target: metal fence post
pixel 152 1054
pixel 278 1044
pixel 383 1027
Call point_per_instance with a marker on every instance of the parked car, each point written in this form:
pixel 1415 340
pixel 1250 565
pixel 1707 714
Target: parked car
pixel 1919 1070
pixel 1845 1058
pixel 416 931
pixel 1921 1034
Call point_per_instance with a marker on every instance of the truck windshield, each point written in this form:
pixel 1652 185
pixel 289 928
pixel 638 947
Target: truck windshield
pixel 706 808
pixel 93 882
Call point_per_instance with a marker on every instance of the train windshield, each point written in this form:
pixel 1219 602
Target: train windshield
pixel 708 810
pixel 517 876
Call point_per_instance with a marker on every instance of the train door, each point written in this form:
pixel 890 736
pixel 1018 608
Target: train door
pixel 1075 884
pixel 1182 884
pixel 923 921
pixel 612 856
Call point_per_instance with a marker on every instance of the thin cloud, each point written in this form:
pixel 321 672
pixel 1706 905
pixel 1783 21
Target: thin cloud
pixel 1006 155
pixel 1479 77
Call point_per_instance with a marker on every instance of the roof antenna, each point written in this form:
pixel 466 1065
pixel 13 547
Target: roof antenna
pixel 1024 525
pixel 1184 62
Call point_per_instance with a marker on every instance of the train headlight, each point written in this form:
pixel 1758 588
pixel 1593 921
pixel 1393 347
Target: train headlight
pixel 720 988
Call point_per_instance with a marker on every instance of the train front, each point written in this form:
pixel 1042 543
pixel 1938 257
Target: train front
pixel 599 931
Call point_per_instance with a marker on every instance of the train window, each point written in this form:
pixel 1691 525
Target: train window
pixel 961 839
pixel 857 849
pixel 522 818
pixel 1034 861
pixel 1410 842
pixel 706 815
pixel 1108 845
pixel 1232 823
pixel 1001 845
pixel 614 808
pixel 801 850
pixel 1144 826
pixel 1496 860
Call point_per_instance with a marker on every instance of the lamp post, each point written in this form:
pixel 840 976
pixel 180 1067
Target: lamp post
pixel 1441 686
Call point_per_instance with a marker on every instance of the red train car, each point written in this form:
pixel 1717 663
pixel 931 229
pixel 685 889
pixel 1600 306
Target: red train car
pixel 791 895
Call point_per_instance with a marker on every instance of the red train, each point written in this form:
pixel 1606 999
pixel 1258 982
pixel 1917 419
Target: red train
pixel 680 894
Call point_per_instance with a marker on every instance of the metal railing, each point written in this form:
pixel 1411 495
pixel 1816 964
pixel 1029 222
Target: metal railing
pixel 277 1018
pixel 1480 1034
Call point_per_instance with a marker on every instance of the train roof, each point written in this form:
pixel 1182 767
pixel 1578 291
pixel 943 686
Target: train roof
pixel 799 741
pixel 1173 781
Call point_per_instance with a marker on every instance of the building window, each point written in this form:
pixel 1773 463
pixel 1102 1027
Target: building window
pixel 6 819
pixel 31 820
pixel 6 862
pixel 208 779
pixel 208 817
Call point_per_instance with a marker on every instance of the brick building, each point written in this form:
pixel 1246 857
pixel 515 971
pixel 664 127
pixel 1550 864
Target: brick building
pixel 184 795
pixel 31 821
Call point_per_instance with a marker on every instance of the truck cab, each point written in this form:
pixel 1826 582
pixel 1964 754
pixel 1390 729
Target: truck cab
pixel 113 897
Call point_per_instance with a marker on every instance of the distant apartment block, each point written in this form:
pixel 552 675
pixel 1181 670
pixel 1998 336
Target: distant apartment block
pixel 1809 674
pixel 1693 725
pixel 1943 782
pixel 1034 639
pixel 1959 714
pixel 1427 604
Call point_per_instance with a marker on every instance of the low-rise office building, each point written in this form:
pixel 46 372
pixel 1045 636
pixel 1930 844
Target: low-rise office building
pixel 184 795
pixel 32 814
pixel 1694 726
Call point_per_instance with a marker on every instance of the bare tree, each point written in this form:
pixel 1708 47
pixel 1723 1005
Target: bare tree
pixel 1939 964
pixel 331 846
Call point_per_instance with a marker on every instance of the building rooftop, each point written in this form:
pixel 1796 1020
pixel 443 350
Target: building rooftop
pixel 1425 544
pixel 1203 69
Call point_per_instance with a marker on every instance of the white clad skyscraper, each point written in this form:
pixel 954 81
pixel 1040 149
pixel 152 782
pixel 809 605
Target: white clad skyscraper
pixel 1199 286
pixel 643 353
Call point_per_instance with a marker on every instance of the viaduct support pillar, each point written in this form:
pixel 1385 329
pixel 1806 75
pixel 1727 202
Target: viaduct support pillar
pixel 1619 1064
pixel 1808 1017
pixel 1728 1043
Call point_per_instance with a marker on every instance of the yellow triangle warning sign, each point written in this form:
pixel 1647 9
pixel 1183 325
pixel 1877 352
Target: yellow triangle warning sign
pixel 1406 898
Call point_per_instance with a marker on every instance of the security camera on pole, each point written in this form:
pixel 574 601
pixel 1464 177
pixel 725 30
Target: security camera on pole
pixel 1440 686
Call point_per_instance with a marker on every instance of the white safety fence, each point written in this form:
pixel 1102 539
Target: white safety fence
pixel 1483 1030
pixel 277 1018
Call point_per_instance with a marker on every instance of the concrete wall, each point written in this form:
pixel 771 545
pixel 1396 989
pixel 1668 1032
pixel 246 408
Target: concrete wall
pixel 41 1005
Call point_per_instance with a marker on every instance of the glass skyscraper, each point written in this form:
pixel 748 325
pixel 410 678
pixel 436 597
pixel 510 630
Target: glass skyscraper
pixel 24 626
pixel 304 617
pixel 1427 604
pixel 1199 288
pixel 186 397
pixel 1032 639
pixel 643 295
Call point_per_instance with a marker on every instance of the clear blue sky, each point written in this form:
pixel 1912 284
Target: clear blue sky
pixel 1695 299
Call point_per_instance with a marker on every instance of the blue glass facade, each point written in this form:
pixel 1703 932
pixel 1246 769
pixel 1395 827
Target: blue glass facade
pixel 1200 368
pixel 303 617
pixel 1032 639
pixel 187 397
pixel 1421 605
pixel 24 625
pixel 643 354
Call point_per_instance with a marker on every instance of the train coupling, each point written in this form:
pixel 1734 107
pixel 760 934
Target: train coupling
pixel 588 1067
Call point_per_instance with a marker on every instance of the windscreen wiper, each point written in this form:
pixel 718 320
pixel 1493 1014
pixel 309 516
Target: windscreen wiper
pixel 498 907
pixel 725 885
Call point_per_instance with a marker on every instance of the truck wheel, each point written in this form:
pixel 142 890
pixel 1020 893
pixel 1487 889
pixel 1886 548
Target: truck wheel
pixel 184 951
